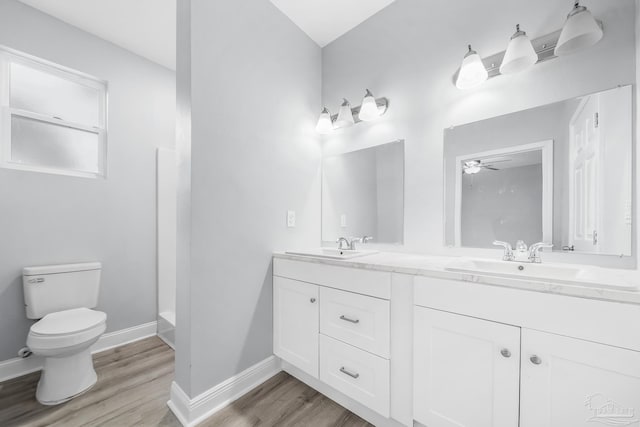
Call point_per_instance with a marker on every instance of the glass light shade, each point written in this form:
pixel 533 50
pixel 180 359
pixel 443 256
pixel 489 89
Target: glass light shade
pixel 369 108
pixel 580 31
pixel 471 167
pixel 520 54
pixel 472 72
pixel 345 116
pixel 325 125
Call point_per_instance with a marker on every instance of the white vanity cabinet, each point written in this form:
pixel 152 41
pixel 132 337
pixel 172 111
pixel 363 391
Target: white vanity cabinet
pixel 572 361
pixel 333 323
pixel 296 323
pixel 569 382
pixel 466 371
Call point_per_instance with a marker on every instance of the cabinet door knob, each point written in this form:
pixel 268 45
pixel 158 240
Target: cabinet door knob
pixel 312 300
pixel 535 360
pixel 505 352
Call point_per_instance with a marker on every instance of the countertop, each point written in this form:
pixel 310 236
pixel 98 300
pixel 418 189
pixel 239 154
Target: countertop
pixel 435 266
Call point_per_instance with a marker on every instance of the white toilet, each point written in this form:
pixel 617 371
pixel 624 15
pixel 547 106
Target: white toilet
pixel 62 297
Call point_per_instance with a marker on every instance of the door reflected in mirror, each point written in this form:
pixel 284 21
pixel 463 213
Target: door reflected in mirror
pixel 560 173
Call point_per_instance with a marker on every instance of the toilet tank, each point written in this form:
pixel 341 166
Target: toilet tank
pixel 52 288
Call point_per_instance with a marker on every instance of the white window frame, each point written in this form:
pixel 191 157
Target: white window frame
pixel 9 56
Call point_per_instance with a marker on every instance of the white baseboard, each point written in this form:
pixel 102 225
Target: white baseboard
pixel 17 367
pixel 190 412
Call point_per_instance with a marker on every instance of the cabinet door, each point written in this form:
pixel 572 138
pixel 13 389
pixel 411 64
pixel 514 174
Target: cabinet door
pixel 296 323
pixel 570 382
pixel 466 371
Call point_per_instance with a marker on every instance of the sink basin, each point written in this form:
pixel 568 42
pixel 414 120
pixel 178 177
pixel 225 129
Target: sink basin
pixel 555 273
pixel 332 253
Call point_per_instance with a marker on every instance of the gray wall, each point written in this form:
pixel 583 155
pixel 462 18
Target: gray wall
pixel 409 51
pixel 48 219
pixel 255 97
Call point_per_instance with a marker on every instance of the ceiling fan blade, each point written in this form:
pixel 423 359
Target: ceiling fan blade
pixel 490 168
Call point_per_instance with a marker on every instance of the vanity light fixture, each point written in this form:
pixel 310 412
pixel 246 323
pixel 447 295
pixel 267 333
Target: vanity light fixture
pixel 325 124
pixel 370 109
pixel 472 71
pixel 520 54
pixel 345 116
pixel 579 31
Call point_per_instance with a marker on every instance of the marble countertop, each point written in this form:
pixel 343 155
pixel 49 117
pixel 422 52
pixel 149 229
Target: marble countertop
pixel 435 266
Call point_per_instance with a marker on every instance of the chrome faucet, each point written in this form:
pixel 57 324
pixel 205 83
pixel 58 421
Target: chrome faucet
pixel 351 244
pixel 342 241
pixel 508 250
pixel 534 251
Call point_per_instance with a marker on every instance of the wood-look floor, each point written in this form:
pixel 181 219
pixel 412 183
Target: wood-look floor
pixel 133 388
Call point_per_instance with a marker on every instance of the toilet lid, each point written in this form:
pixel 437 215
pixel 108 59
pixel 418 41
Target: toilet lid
pixel 68 322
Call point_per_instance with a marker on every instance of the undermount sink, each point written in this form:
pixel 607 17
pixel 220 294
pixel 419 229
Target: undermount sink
pixel 332 253
pixel 558 273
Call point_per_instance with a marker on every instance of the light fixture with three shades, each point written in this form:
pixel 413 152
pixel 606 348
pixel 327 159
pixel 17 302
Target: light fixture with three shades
pixel 580 31
pixel 370 109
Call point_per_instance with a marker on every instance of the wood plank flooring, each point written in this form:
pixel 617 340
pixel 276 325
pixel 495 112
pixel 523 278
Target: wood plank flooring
pixel 133 388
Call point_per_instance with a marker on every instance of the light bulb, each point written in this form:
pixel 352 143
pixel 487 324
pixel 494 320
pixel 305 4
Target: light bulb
pixel 520 54
pixel 472 71
pixel 345 115
pixel 579 31
pixel 325 125
pixel 369 108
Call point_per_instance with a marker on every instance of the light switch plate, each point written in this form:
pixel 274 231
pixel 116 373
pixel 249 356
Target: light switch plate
pixel 343 220
pixel 291 219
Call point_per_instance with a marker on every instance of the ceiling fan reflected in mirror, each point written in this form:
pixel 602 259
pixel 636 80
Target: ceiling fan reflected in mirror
pixel 471 167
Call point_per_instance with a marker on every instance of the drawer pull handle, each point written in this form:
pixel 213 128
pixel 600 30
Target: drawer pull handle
pixel 346 319
pixel 351 374
pixel 535 360
pixel 312 300
pixel 505 352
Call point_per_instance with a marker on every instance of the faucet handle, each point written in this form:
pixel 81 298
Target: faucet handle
pixel 367 239
pixel 508 250
pixel 534 251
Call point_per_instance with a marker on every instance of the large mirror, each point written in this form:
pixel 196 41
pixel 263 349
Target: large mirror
pixel 560 173
pixel 363 194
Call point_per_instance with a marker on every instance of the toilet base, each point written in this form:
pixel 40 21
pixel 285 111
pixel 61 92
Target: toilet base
pixel 64 378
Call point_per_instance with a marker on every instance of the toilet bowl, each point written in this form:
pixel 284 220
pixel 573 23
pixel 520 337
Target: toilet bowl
pixel 64 339
pixel 61 298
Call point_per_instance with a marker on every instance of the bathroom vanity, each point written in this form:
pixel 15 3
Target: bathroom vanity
pixel 399 338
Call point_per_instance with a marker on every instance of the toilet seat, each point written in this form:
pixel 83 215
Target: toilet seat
pixel 66 328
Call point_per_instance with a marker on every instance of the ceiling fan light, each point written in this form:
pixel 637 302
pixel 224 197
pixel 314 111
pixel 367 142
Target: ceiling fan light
pixel 470 170
pixel 520 54
pixel 472 71
pixel 325 125
pixel 579 31
pixel 345 116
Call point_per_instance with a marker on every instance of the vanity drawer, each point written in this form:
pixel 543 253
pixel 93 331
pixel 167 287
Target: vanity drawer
pixel 358 320
pixel 356 373
pixel 361 281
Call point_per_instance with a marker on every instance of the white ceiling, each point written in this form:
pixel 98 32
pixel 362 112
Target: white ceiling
pixel 145 27
pixel 326 20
